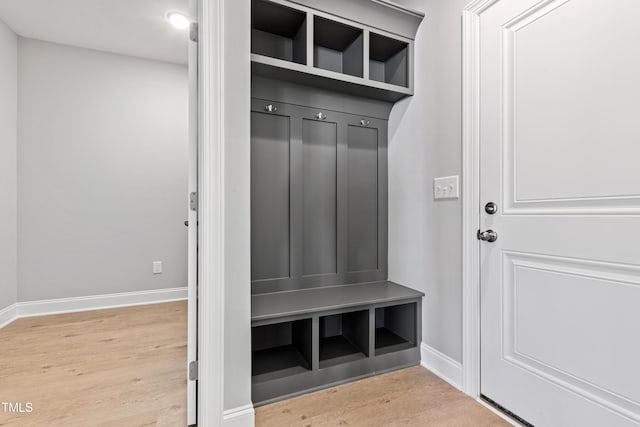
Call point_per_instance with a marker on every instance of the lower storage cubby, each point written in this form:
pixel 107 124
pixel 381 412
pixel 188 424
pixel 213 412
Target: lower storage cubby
pixel 395 328
pixel 281 349
pixel 308 339
pixel 344 338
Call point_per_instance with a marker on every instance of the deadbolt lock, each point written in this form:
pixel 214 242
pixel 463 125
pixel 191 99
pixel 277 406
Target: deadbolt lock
pixel 491 208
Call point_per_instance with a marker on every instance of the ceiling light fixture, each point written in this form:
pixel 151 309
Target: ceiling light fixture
pixel 178 20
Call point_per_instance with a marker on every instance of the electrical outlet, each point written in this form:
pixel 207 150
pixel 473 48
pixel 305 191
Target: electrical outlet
pixel 446 187
pixel 157 267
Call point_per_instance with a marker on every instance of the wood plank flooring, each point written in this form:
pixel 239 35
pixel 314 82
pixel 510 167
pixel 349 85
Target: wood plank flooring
pixel 126 367
pixel 115 367
pixel 409 397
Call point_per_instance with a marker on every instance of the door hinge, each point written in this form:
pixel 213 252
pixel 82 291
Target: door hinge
pixel 193 370
pixel 193 201
pixel 193 32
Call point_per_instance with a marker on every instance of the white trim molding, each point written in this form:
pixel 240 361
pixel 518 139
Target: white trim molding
pixel 442 365
pixel 471 195
pixel 243 416
pixel 8 315
pixel 99 302
pixel 211 272
pixel 88 303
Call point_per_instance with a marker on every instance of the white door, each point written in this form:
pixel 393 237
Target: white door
pixel 192 270
pixel 560 156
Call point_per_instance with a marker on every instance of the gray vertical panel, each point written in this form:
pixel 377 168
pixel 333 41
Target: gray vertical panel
pixel 309 40
pixel 362 199
pixel 343 213
pixel 299 46
pixel 372 331
pixel 401 320
pixel 355 328
pixel 376 70
pixel 383 198
pixel 315 342
pixel 272 45
pixel 296 199
pixel 319 155
pixel 365 53
pixel 352 61
pixel 379 318
pixel 270 336
pixel 327 59
pixel 269 196
pixel 396 69
pixel 331 326
pixel 302 338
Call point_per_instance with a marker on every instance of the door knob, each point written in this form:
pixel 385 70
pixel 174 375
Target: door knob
pixel 487 236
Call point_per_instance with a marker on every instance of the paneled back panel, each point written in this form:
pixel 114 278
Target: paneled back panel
pixel 362 190
pixel 270 137
pixel 318 197
pixel 319 192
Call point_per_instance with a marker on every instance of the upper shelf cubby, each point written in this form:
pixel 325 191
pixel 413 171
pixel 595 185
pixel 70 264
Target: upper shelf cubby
pixel 388 60
pixel 278 31
pixel 337 47
pixel 358 47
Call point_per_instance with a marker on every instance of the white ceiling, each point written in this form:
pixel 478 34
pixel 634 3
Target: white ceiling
pixel 129 27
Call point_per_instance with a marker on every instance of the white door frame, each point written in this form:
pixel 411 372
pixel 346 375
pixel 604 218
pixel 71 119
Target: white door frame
pixel 211 219
pixel 192 224
pixel 471 195
pixel 211 226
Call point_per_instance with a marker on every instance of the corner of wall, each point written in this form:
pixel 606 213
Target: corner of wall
pixel 8 171
pixel 8 315
pixel 425 236
pixel 441 365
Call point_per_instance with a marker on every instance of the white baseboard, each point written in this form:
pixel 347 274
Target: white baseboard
pixel 8 315
pixel 93 302
pixel 441 365
pixel 242 416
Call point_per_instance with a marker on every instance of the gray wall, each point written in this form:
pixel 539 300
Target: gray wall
pixel 8 164
pixel 425 250
pixel 237 214
pixel 102 172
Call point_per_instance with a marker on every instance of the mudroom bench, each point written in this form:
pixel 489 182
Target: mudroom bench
pixel 309 339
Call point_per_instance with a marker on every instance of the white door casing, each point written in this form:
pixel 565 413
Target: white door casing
pixel 558 151
pixel 192 251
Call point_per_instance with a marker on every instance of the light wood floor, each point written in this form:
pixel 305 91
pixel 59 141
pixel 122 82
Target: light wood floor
pixel 409 397
pixel 126 367
pixel 117 367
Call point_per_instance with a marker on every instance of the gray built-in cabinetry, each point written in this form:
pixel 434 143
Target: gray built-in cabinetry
pixel 309 46
pixel 324 77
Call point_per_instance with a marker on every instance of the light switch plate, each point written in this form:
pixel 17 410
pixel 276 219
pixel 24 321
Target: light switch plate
pixel 157 267
pixel 446 187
